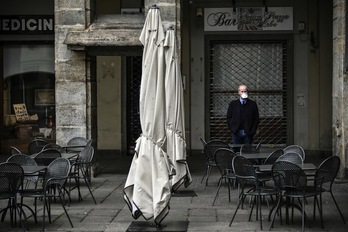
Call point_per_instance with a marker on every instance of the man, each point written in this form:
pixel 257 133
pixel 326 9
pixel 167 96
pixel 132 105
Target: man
pixel 243 117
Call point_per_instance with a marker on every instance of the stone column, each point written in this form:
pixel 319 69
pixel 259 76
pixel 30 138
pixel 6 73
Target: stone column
pixel 339 87
pixel 71 72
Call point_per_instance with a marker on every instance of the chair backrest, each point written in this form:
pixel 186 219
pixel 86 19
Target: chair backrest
pixel 45 157
pixel 14 150
pixel 36 145
pixel 328 169
pixel 295 148
pixel 57 172
pixel 89 143
pixel 249 148
pixel 243 168
pixel 272 158
pixel 223 159
pixel 11 178
pixel 259 145
pixel 212 146
pixel 54 146
pixel 286 174
pixel 292 157
pixel 203 142
pixel 86 155
pixel 77 141
pixel 22 159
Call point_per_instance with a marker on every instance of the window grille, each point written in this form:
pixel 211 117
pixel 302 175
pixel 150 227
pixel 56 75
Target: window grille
pixel 262 67
pixel 134 71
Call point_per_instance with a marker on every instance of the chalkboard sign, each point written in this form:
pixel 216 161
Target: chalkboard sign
pixel 21 112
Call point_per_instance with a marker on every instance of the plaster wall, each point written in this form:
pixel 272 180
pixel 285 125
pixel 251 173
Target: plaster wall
pixel 109 102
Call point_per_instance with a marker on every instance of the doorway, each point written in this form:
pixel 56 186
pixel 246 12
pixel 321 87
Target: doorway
pixel 263 67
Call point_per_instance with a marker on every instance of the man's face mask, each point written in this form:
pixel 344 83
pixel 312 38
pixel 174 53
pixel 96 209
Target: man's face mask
pixel 244 95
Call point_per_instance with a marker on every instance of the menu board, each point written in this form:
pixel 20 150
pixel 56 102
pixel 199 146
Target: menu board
pixel 21 112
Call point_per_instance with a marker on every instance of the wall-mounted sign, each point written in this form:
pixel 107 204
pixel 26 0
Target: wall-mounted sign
pixel 27 24
pixel 248 19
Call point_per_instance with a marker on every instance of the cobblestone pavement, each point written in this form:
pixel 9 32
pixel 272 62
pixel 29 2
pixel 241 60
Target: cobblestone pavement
pixel 112 214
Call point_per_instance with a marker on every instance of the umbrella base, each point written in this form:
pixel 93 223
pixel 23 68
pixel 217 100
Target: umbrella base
pixel 142 226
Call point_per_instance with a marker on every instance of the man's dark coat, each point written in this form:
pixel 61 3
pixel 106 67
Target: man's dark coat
pixel 251 116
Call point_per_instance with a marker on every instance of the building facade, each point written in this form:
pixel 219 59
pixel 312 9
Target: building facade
pixel 81 75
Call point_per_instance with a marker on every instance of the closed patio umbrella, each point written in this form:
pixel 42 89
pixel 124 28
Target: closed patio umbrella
pixel 175 120
pixel 148 186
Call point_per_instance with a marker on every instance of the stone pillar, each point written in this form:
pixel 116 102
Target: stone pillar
pixel 71 72
pixel 339 87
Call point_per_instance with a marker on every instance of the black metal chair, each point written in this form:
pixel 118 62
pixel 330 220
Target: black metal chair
pixel 292 157
pixel 223 159
pixel 36 145
pixel 247 176
pixel 55 177
pixel 80 170
pixel 45 157
pixel 54 146
pixel 295 148
pixel 328 170
pixel 14 150
pixel 272 158
pixel 291 181
pixel 11 182
pixel 209 152
pixel 22 159
pixel 79 141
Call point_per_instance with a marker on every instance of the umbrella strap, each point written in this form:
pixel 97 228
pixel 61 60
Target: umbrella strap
pixel 153 141
pixel 177 132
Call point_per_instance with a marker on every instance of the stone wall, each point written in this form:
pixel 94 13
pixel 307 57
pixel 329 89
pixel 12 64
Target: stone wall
pixel 339 87
pixel 75 85
pixel 71 72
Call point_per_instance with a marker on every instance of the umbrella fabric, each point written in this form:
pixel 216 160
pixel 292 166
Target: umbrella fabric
pixel 175 119
pixel 148 186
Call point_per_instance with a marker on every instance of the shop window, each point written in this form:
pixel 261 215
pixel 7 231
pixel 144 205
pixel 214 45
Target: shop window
pixel 28 91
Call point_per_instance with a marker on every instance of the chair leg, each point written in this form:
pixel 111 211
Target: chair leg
pixel 277 207
pixel 303 212
pixel 259 208
pixel 235 212
pixel 252 204
pixel 320 208
pixel 338 208
pixel 208 174
pixel 44 212
pixel 89 187
pixel 217 192
pixel 62 202
pixel 229 190
pixel 205 173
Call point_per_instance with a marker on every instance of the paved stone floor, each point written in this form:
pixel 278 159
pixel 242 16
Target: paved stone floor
pixel 112 214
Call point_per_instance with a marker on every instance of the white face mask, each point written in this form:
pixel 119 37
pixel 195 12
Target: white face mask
pixel 244 95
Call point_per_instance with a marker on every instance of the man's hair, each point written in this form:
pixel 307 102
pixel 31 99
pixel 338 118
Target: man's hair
pixel 241 86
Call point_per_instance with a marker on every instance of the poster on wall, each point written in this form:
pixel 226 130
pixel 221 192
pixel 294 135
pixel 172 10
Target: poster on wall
pixel 21 112
pixel 248 19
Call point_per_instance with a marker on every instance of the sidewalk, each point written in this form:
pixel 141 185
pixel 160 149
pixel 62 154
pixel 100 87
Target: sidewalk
pixel 112 214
